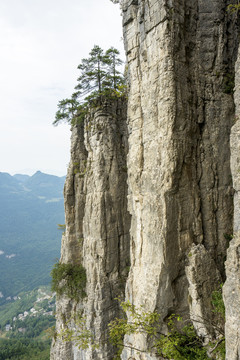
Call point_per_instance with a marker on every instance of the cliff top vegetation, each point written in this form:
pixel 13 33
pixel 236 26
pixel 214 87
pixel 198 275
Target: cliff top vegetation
pixel 99 76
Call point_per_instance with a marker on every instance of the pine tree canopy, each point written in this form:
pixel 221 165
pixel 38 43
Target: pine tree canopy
pixel 99 75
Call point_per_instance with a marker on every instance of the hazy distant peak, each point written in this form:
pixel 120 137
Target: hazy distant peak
pixel 41 174
pixel 21 177
pixel 7 179
pixel 39 184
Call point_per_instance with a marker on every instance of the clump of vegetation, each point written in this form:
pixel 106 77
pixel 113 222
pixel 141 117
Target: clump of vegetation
pixel 228 237
pixel 69 279
pixel 141 322
pixel 217 302
pixel 180 343
pixel 99 78
pixel 183 344
pixel 219 348
pixel 228 83
pixel 233 8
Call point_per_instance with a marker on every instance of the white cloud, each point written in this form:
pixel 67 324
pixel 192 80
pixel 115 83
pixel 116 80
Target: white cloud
pixel 53 200
pixel 10 256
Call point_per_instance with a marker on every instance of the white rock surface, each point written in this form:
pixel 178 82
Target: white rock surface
pixel 181 58
pixel 97 226
pixel 232 284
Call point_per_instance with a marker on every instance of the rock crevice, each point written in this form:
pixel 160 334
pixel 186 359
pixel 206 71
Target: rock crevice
pixel 180 111
pixel 149 194
pixel 97 226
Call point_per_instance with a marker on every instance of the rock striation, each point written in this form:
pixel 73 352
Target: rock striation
pixel 97 225
pixel 232 284
pixel 149 196
pixel 181 58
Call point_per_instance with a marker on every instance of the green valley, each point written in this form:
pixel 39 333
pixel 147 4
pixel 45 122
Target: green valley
pixel 30 209
pixel 26 325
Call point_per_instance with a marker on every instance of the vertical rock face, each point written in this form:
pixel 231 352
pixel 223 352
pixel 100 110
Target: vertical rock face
pixel 181 63
pixel 181 56
pixel 232 285
pixel 97 226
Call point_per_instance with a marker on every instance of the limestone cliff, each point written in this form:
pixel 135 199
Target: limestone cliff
pixel 154 192
pixel 232 284
pixel 97 225
pixel 181 58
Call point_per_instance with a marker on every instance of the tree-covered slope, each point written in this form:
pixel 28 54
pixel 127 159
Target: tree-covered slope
pixel 30 209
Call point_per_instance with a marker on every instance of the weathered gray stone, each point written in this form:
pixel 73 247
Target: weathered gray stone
pixel 181 57
pixel 203 277
pixel 232 284
pixel 179 117
pixel 232 300
pixel 97 225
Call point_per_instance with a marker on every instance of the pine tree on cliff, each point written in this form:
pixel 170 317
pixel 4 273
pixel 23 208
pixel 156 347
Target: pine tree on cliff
pixel 93 72
pixel 67 110
pixel 99 77
pixel 114 76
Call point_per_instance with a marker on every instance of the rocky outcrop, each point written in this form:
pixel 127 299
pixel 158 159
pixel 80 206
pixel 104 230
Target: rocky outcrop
pixel 232 284
pixel 97 226
pixel 176 181
pixel 181 62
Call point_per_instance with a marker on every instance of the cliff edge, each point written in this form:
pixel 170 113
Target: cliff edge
pixel 152 194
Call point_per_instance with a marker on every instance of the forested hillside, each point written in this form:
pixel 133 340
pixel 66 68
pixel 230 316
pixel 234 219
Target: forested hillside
pixel 26 326
pixel 31 207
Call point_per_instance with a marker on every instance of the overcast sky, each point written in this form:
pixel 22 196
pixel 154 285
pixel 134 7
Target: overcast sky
pixel 42 42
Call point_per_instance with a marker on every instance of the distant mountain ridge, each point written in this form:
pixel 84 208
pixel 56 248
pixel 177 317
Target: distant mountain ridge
pixel 30 209
pixel 21 177
pixel 39 183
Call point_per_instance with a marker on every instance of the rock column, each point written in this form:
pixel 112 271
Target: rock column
pixel 97 227
pixel 181 58
pixel 232 284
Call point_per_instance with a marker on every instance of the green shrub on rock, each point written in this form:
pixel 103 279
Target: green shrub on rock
pixel 69 279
